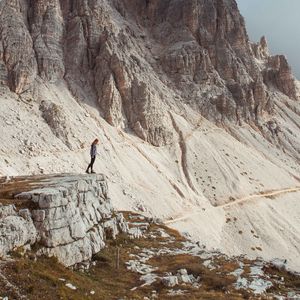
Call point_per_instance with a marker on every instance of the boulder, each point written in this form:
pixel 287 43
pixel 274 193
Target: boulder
pixel 170 281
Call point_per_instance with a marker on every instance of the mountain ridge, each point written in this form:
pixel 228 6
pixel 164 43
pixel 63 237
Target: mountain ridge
pixel 189 113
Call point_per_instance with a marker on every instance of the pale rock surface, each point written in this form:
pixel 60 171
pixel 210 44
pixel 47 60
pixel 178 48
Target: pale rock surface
pixel 16 230
pixel 196 124
pixel 69 221
pixel 170 281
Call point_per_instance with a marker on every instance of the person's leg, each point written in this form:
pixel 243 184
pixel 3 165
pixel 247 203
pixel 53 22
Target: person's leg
pixel 88 168
pixel 92 163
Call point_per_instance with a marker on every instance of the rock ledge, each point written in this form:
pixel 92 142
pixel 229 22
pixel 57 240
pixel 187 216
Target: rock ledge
pixel 69 217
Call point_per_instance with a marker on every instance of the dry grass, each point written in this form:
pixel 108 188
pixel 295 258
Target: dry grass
pixel 8 190
pixel 20 203
pixel 290 280
pixel 40 279
pixel 17 185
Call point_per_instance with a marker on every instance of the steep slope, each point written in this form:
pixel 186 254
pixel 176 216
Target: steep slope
pixel 191 116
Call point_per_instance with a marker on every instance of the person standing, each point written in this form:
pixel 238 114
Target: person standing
pixel 93 153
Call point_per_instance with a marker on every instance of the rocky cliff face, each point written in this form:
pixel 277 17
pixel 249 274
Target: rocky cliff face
pixel 69 217
pixel 136 59
pixel 193 119
pixel 275 70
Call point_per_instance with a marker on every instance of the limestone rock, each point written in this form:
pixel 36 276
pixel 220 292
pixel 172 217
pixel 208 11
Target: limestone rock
pixel 170 281
pixel 15 231
pixel 17 55
pixel 135 233
pixel 135 55
pixel 122 224
pixel 55 118
pixel 46 29
pixel 261 50
pixel 73 219
pixel 278 73
pixel 275 70
pixel 7 210
pixel 111 229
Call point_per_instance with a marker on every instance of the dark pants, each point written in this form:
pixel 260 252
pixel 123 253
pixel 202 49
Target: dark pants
pixel 91 163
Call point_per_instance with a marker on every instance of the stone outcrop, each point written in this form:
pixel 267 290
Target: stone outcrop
pixel 55 118
pixel 16 229
pixel 276 71
pixel 71 219
pixel 135 60
pixel 261 50
pixel 278 74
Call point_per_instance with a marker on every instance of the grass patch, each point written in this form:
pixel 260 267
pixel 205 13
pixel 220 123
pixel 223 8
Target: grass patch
pixel 45 278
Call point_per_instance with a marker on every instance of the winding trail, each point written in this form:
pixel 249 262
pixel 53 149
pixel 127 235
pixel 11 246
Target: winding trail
pixel 237 201
pixel 264 195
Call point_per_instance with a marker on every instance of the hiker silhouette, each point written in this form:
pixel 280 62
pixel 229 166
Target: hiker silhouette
pixel 93 154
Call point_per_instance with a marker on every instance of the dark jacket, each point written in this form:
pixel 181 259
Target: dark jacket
pixel 93 151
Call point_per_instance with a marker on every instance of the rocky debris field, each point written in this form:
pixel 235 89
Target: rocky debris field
pixel 150 261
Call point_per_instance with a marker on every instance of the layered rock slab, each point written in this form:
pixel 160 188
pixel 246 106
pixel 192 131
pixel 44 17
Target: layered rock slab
pixel 70 218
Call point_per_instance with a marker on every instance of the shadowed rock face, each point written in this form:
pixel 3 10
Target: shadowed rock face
pixel 136 59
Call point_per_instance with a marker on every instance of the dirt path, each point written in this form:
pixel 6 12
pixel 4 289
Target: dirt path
pixel 237 201
pixel 264 195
